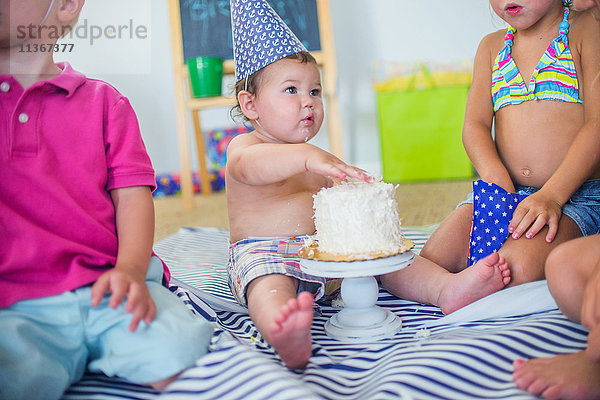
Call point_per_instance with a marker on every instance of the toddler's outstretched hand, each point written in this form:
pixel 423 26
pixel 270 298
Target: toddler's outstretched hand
pixel 130 283
pixel 326 164
pixel 533 213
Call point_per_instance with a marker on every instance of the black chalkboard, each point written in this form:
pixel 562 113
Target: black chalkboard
pixel 206 25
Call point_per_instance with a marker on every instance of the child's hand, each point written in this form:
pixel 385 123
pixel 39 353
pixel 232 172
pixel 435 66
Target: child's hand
pixel 535 212
pixel 326 164
pixel 121 283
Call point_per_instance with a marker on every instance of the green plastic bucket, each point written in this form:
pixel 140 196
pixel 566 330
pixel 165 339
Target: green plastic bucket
pixel 206 76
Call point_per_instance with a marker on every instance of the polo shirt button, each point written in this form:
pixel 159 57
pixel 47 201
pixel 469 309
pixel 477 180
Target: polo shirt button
pixel 5 86
pixel 23 118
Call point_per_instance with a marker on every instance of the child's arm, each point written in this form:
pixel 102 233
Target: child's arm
pixel 258 163
pixel 479 115
pixel 583 157
pixel 135 231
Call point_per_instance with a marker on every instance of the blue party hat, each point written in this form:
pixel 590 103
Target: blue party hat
pixel 260 37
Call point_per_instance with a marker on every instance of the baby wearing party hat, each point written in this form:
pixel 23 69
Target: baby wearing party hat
pixel 271 176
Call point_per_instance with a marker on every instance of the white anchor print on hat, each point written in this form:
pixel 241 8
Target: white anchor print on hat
pixel 260 37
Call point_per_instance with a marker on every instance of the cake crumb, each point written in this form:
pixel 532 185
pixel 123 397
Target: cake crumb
pixel 423 334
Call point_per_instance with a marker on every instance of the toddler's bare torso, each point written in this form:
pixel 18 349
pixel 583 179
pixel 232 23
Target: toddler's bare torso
pixel 279 209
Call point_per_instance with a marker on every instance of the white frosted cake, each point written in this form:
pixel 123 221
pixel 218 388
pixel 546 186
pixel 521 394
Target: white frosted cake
pixel 356 221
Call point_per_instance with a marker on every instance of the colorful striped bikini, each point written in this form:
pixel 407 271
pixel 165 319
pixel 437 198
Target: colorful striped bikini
pixel 554 77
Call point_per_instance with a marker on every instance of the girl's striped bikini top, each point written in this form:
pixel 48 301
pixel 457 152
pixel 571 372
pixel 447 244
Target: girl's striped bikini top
pixel 554 77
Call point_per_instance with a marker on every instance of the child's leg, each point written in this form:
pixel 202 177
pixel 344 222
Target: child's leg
pixel 438 276
pixel 448 246
pixel 428 283
pixel 527 257
pixel 282 317
pixel 42 349
pixel 568 269
pixel 156 353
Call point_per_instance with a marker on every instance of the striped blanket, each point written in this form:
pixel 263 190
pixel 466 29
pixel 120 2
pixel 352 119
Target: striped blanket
pixel 467 354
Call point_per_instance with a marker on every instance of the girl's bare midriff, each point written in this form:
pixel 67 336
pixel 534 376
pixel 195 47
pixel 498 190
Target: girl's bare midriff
pixel 533 147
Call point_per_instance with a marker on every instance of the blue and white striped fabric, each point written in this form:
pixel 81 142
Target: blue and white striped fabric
pixel 465 355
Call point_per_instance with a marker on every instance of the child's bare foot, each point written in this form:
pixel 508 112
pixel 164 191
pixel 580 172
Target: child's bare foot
pixel 485 277
pixel 568 376
pixel 290 333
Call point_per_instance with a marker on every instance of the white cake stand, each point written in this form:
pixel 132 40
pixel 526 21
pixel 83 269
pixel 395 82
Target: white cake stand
pixel 360 320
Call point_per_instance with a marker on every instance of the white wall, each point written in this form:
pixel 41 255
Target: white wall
pixel 364 31
pixel 146 79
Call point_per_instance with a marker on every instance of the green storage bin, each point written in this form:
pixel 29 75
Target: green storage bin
pixel 421 133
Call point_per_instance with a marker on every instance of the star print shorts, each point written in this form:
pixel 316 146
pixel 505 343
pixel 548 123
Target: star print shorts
pixel 255 257
pixel 583 207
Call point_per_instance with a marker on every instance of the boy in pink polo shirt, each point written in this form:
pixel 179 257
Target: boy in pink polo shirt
pixel 79 287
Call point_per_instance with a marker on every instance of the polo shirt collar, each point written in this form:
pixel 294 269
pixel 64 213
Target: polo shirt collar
pixel 69 79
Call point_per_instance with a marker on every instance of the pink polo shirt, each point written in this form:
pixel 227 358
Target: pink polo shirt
pixel 64 144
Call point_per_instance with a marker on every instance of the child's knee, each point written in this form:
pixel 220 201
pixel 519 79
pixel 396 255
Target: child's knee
pixel 558 262
pixel 41 355
pixel 32 387
pixel 36 376
pixel 430 252
pixel 438 253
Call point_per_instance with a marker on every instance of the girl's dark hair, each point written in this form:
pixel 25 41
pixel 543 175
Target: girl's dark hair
pixel 252 82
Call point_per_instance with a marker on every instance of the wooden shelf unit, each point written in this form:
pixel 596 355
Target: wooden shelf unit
pixel 184 103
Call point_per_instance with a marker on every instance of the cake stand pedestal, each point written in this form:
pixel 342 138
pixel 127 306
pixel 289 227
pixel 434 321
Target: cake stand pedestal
pixel 360 320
